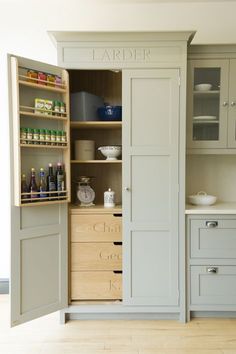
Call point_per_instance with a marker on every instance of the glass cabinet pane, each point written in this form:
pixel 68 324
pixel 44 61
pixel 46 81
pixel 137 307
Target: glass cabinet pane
pixel 206 103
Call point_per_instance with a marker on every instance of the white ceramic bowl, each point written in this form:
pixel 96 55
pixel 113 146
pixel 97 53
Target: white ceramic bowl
pixel 110 152
pixel 201 198
pixel 203 87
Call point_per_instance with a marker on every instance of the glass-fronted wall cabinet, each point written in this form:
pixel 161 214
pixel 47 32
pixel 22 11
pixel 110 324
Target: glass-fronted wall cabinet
pixel 207 103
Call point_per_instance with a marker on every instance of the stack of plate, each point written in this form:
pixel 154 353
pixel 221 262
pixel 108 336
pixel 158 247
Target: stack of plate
pixel 205 118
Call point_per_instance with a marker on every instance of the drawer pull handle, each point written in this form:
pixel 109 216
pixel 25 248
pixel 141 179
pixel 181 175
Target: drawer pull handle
pixel 118 215
pixel 117 243
pixel 212 270
pixel 211 224
pixel 117 271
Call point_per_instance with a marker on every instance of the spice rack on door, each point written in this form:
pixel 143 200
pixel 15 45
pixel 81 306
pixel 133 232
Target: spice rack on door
pixel 39 152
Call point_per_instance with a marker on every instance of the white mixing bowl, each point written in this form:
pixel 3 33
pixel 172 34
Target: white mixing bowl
pixel 110 152
pixel 203 87
pixel 201 198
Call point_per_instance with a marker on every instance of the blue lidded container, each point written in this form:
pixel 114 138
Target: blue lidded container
pixel 110 113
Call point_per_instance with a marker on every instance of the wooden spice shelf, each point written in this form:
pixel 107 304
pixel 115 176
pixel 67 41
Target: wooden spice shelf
pixel 96 125
pixel 33 204
pixel 44 146
pixel 42 116
pixel 42 87
pixel 96 161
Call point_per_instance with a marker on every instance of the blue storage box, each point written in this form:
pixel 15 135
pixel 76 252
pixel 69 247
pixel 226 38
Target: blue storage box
pixel 110 113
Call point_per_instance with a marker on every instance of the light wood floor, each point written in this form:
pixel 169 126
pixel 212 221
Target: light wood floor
pixel 47 336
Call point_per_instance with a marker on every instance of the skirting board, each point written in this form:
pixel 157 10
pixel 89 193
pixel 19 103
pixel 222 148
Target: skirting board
pixel 213 314
pixel 4 286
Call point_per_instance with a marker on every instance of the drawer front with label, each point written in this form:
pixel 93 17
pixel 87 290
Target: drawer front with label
pixel 213 285
pixel 212 238
pixel 96 256
pixel 96 228
pixel 96 285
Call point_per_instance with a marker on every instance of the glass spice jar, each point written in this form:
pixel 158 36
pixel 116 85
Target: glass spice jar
pixel 35 136
pixel 53 137
pixel 63 137
pixel 23 135
pixel 56 108
pixel 42 136
pixel 47 137
pixel 29 135
pixel 62 109
pixel 58 137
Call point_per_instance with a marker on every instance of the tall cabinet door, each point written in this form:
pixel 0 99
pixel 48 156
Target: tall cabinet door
pixel 150 180
pixel 38 221
pixel 232 105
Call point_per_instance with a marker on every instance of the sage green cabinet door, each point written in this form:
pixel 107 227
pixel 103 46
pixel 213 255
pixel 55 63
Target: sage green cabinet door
pixel 207 107
pixel 150 179
pixel 232 105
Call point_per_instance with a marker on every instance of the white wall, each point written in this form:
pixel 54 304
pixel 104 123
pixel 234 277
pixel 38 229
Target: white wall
pixel 23 26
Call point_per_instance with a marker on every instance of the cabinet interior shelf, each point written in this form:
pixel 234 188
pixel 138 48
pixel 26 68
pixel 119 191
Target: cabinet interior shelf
pixel 42 87
pixel 212 93
pixel 96 125
pixel 44 146
pixel 42 116
pixel 204 122
pixel 96 161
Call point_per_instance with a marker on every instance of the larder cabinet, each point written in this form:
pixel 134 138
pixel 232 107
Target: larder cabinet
pixel 131 255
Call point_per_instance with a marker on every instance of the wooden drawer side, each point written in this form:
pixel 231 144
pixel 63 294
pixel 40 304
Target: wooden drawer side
pixel 96 228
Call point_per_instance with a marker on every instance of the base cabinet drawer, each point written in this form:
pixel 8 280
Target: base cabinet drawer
pixel 96 228
pixel 96 256
pixel 213 285
pixel 96 285
pixel 213 238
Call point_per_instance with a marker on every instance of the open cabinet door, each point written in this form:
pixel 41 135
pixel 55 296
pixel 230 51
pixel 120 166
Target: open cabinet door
pixel 39 230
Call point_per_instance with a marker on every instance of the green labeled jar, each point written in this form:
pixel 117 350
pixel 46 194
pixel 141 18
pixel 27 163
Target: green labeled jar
pixel 56 107
pixel 35 136
pixel 53 137
pixel 29 135
pixel 63 137
pixel 42 136
pixel 58 137
pixel 47 137
pixel 23 135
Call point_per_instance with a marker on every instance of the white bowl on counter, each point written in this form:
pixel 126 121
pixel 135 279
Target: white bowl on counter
pixel 202 198
pixel 110 152
pixel 203 87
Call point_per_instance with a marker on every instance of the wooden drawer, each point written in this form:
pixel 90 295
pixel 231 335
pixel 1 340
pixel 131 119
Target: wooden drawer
pixel 213 288
pixel 96 256
pixel 96 285
pixel 96 228
pixel 213 238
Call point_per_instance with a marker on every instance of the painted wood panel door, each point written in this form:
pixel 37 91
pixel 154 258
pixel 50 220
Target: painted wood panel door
pixel 150 179
pixel 39 233
pixel 232 105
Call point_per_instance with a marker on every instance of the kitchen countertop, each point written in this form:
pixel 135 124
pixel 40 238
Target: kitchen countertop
pixel 218 208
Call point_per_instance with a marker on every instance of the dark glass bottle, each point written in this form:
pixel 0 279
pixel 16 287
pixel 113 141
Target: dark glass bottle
pixel 60 179
pixel 51 181
pixel 42 184
pixel 33 185
pixel 24 188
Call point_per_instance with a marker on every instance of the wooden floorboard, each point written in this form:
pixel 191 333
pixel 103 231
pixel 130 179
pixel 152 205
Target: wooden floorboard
pixel 47 336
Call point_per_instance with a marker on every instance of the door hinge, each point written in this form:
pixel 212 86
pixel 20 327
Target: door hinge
pixel 179 81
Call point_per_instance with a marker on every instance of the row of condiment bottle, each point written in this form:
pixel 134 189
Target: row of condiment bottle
pixel 51 184
pixel 42 78
pixel 49 107
pixel 42 136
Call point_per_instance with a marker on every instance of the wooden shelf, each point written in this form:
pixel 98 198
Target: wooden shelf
pixel 96 161
pixel 33 204
pixel 96 125
pixel 203 122
pixel 43 116
pixel 206 93
pixel 42 87
pixel 43 146
pixel 97 209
